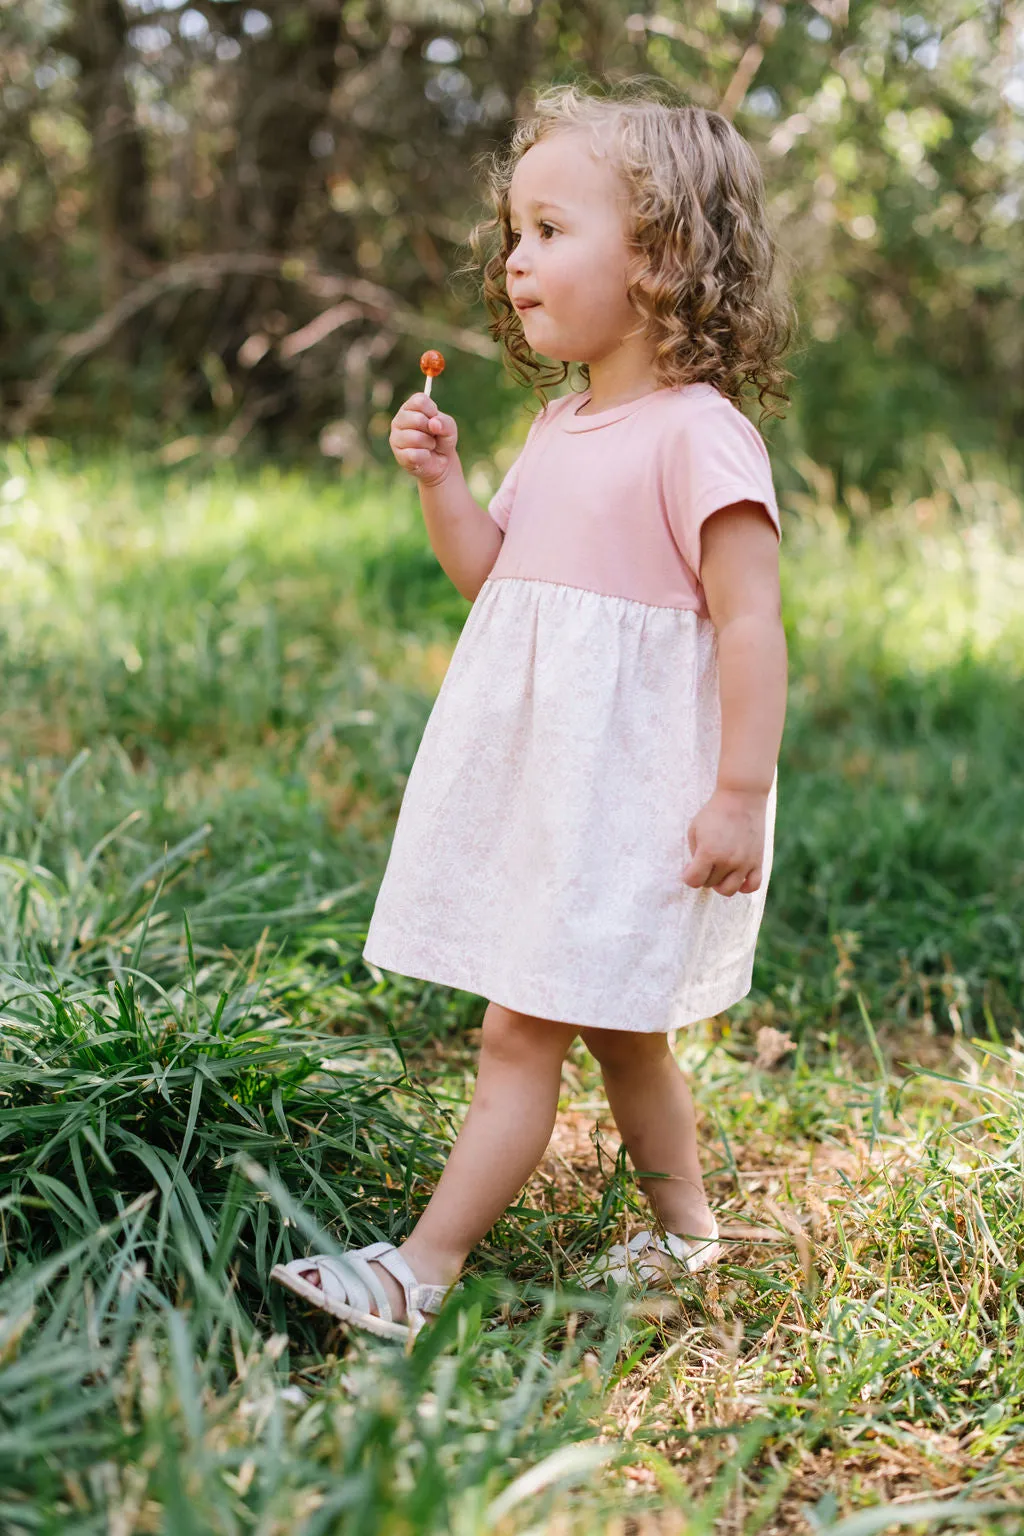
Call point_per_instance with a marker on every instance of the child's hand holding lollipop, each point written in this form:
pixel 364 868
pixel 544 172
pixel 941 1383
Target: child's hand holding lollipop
pixel 423 438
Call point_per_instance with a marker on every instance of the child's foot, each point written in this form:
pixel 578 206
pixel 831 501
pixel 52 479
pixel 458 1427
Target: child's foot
pixel 662 1258
pixel 426 1274
pixel 652 1259
pixel 394 1292
pixel 693 1233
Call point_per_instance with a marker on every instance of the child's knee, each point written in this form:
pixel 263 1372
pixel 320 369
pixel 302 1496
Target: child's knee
pixel 520 1037
pixel 625 1050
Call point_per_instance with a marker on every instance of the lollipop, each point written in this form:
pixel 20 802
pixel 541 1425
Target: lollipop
pixel 432 363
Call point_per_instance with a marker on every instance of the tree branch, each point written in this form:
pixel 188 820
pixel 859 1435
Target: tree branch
pixel 377 304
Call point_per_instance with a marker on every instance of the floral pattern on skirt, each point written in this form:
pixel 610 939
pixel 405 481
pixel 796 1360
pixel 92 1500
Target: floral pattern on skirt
pixel 538 854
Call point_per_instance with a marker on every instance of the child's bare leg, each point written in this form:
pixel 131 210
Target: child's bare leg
pixel 654 1112
pixel 502 1139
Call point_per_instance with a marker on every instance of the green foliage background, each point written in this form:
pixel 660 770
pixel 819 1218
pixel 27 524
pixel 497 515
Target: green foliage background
pixel 236 160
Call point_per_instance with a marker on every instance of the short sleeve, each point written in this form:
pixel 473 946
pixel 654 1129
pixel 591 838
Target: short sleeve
pixel 500 504
pixel 716 459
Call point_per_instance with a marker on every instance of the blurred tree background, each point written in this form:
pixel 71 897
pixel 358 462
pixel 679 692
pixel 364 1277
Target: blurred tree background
pixel 225 224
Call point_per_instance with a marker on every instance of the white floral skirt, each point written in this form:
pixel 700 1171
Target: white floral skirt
pixel 538 854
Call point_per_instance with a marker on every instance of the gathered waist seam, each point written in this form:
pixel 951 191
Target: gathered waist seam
pixel 615 597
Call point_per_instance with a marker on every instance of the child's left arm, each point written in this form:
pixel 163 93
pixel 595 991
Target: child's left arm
pixel 740 576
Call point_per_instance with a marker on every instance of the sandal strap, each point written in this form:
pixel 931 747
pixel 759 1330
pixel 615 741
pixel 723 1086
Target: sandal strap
pixel 687 1250
pixel 624 1260
pixel 429 1298
pixel 418 1296
pixel 350 1280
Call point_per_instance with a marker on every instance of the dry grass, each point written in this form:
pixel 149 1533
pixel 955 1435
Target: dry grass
pixel 825 1208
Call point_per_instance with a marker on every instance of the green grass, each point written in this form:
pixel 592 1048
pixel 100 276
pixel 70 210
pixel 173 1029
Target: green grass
pixel 213 689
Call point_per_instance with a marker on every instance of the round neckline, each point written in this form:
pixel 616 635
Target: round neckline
pixel 573 422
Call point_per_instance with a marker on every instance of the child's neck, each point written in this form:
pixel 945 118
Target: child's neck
pixel 620 378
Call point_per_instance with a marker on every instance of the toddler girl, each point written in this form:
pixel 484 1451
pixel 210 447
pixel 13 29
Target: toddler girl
pixel 585 837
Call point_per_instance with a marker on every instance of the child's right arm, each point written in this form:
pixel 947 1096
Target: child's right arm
pixel 465 538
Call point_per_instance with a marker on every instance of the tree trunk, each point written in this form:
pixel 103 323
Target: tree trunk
pixel 96 36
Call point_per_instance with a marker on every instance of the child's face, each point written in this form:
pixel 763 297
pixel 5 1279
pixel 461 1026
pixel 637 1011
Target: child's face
pixel 569 213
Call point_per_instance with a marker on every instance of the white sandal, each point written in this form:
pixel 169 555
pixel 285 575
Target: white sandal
pixel 347 1283
pixel 624 1261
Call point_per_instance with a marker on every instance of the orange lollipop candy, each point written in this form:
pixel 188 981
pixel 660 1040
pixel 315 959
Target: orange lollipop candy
pixel 432 363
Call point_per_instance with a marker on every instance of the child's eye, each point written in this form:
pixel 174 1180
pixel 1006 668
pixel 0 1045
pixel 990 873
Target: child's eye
pixel 543 225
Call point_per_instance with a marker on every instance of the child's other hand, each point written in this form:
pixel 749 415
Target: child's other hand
pixel 423 439
pixel 727 842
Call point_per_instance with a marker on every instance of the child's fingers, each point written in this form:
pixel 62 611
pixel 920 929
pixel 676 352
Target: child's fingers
pixel 442 425
pixel 419 432
pixel 421 414
pixel 720 875
pixel 420 402
pixel 417 461
pixel 412 439
pixel 717 874
pixel 412 421
pixel 697 871
pixel 732 883
pixel 417 412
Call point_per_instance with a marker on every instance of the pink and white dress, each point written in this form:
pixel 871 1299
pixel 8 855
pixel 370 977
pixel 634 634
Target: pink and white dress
pixel 538 855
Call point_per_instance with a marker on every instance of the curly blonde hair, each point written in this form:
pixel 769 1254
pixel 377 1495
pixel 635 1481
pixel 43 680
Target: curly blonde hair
pixel 697 208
